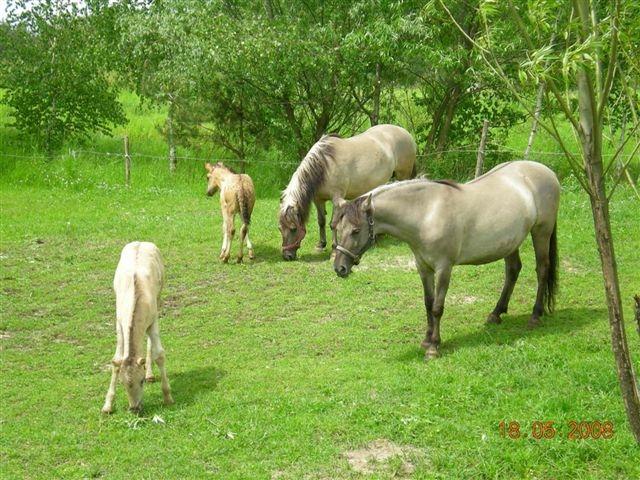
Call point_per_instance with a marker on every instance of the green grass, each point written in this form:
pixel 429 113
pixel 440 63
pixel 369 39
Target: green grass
pixel 279 368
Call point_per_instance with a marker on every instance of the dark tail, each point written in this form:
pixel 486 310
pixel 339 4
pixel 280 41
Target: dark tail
pixel 243 202
pixel 552 277
pixel 414 170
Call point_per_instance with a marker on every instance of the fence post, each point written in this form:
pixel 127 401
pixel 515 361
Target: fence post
pixel 483 144
pixel 127 161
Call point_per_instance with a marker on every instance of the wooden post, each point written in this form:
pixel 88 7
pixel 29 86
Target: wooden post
pixel 127 161
pixel 483 144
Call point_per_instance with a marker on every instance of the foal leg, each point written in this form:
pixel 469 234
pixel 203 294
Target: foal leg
pixel 148 376
pixel 442 277
pixel 111 393
pixel 224 237
pixel 230 231
pixel 243 235
pixel 252 255
pixel 512 267
pixel 158 356
pixel 541 247
pixel 322 221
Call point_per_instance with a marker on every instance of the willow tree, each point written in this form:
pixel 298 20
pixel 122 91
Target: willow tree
pixel 593 39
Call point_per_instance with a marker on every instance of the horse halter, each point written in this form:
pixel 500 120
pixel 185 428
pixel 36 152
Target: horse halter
pixel 297 241
pixel 370 241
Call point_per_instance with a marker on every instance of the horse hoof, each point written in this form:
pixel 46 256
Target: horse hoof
pixel 239 259
pixel 431 353
pixel 494 319
pixel 225 259
pixel 425 344
pixel 320 247
pixel 107 410
pixel 251 255
pixel 150 379
pixel 533 323
pixel 169 400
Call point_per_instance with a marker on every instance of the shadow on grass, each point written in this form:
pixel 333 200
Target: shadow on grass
pixel 514 327
pixel 187 386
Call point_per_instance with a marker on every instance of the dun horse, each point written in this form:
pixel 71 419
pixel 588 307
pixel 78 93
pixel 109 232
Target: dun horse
pixel 337 168
pixel 448 224
pixel 237 195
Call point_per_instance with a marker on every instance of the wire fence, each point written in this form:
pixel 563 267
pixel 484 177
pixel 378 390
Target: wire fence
pixel 118 156
pixel 78 168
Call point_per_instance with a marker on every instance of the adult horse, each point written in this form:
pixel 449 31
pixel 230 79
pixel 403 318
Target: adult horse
pixel 448 224
pixel 338 168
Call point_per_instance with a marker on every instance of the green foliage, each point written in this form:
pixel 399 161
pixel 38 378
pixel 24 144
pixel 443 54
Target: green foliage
pixel 55 66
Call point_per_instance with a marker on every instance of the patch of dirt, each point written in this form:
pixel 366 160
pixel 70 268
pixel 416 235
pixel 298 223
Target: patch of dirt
pixel 570 267
pixel 403 262
pixel 462 299
pixel 377 455
pixel 4 335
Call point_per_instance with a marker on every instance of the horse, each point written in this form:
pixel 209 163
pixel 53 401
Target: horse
pixel 338 168
pixel 447 224
pixel 237 195
pixel 137 283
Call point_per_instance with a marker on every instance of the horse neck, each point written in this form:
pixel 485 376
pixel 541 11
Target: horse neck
pixel 391 214
pixel 223 176
pixel 299 196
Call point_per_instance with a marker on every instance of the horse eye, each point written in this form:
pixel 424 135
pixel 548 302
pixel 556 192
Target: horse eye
pixel 142 382
pixel 294 229
pixel 355 231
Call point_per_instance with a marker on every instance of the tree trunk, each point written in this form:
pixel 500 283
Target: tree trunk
pixel 443 135
pixel 591 143
pixel 534 123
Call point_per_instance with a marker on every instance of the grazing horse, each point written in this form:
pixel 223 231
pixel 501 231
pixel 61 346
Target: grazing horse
pixel 448 224
pixel 237 195
pixel 137 283
pixel 337 168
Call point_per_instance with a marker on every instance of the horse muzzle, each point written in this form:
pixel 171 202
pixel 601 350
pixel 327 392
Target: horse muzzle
pixel 342 271
pixel 289 254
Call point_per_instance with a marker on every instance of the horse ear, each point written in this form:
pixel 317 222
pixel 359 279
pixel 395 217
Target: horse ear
pixel 339 203
pixel 208 166
pixel 141 361
pixel 366 204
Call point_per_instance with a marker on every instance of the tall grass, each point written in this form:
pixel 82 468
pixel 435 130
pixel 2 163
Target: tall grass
pixel 98 161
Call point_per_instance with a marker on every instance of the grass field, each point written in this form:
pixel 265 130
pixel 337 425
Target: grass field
pixel 282 370
pixel 279 369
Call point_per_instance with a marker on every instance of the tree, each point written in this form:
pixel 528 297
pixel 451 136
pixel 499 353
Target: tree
pixel 56 70
pixel 585 62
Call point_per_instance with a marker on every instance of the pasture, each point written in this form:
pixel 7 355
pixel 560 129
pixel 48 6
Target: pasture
pixel 279 370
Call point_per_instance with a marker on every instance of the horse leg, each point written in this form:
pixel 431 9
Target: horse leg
pixel 111 393
pixel 512 267
pixel 426 275
pixel 541 247
pixel 148 376
pixel 158 356
pixel 252 255
pixel 442 277
pixel 243 236
pixel 224 236
pixel 322 221
pixel 230 231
